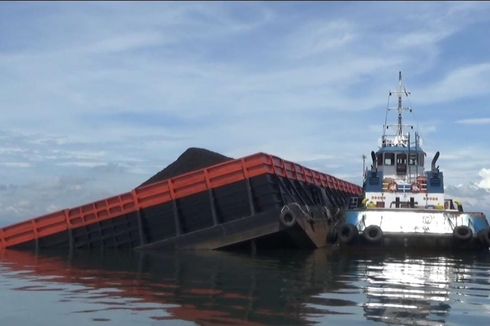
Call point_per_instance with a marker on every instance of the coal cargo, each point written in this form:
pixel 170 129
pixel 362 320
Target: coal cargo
pixel 192 159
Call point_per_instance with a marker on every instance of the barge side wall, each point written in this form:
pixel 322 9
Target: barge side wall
pixel 179 205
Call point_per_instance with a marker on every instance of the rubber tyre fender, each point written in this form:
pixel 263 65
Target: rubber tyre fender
pixel 484 236
pixel 373 234
pixel 347 233
pixel 462 233
pixel 287 218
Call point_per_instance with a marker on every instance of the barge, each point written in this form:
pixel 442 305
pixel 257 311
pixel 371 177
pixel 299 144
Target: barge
pixel 402 203
pixel 252 202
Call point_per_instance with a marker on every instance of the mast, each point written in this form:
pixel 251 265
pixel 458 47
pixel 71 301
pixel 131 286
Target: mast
pixel 398 137
pixel 400 106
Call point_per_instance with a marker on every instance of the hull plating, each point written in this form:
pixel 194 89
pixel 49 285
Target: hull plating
pixel 420 228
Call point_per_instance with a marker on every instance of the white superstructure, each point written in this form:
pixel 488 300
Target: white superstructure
pixel 397 178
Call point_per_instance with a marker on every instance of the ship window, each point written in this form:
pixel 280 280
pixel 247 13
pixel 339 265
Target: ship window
pixel 413 159
pixel 389 159
pixel 421 159
pixel 401 159
pixel 379 159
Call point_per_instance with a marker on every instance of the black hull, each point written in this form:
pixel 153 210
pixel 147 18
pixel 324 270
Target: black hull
pixel 419 242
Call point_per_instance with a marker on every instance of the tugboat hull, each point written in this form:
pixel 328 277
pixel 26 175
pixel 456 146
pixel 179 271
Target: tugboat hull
pixel 417 229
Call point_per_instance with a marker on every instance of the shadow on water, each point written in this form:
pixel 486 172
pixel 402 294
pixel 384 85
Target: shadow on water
pixel 279 287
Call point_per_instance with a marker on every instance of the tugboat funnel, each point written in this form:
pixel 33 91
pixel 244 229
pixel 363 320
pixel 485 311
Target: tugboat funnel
pixel 434 160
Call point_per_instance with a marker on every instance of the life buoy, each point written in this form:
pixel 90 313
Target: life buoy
pixel 392 186
pixel 484 236
pixel 287 217
pixel 368 203
pixel 462 233
pixel 347 233
pixel 373 234
pixel 415 187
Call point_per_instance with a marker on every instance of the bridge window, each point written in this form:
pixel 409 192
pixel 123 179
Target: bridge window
pixel 401 159
pixel 413 159
pixel 389 159
pixel 379 159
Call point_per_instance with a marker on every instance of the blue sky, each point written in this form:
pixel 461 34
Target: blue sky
pixel 97 97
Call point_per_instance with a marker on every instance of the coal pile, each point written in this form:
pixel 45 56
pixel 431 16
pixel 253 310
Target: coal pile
pixel 192 159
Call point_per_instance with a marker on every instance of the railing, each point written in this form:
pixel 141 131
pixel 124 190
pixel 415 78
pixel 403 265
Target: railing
pixel 166 191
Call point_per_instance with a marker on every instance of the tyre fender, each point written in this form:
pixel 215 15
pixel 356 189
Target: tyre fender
pixel 373 234
pixel 462 233
pixel 347 233
pixel 287 217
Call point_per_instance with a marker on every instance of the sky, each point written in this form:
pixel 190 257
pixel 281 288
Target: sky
pixel 97 97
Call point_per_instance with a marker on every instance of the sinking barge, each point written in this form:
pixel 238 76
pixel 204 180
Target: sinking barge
pixel 260 201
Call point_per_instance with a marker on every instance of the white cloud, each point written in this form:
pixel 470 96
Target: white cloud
pixel 122 43
pixel 462 165
pixel 237 79
pixel 463 82
pixel 319 37
pixel 474 198
pixel 82 164
pixel 422 38
pixel 485 181
pixel 476 121
pixel 16 164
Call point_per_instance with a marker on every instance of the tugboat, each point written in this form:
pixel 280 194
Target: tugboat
pixel 402 203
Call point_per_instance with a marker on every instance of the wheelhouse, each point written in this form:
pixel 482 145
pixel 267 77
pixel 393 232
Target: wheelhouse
pixel 401 162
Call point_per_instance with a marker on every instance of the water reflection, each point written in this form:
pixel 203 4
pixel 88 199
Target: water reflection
pixel 290 287
pixel 408 291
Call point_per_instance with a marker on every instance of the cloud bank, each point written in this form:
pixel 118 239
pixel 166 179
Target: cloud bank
pixel 96 97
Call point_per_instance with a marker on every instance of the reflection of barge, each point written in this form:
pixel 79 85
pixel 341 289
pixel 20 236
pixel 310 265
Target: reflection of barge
pixel 204 287
pixel 405 205
pixel 256 201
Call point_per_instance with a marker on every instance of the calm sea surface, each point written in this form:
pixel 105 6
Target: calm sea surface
pixel 208 288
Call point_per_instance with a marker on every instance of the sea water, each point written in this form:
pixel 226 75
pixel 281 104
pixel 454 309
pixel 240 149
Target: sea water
pixel 326 287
